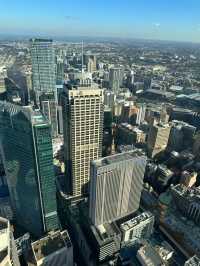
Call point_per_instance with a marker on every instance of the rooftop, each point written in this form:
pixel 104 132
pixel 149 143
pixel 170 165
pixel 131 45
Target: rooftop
pixel 136 220
pixel 118 158
pixel 105 232
pixel 193 261
pixel 50 244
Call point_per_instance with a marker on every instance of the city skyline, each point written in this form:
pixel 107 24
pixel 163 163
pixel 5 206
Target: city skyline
pixel 160 20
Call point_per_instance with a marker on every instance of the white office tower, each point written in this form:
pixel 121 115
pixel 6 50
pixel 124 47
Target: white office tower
pixel 8 250
pixel 82 129
pixel 141 114
pixel 116 185
pixel 43 66
pixel 54 249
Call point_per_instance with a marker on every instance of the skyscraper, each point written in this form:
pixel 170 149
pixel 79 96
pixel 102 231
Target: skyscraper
pixel 59 71
pixel 43 66
pixel 115 78
pixel 158 138
pixel 82 128
pixel 26 148
pixel 115 186
pixel 90 61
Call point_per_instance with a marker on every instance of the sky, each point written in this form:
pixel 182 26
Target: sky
pixel 177 20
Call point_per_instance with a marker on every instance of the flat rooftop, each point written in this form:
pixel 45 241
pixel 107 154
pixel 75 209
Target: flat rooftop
pixel 118 158
pixel 105 232
pixel 136 220
pixel 50 244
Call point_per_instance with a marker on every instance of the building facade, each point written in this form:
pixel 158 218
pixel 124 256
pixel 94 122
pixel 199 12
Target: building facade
pixel 157 138
pixel 115 78
pixel 83 129
pixel 43 66
pixel 26 146
pixel 115 186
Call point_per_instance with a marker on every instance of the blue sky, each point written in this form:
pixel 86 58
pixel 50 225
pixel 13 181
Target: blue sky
pixel 151 19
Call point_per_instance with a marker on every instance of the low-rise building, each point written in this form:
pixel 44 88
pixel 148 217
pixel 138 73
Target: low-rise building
pixel 54 249
pixel 138 227
pixel 8 250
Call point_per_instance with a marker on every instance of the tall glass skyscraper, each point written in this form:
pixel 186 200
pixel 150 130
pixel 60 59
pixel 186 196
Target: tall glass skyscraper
pixel 26 148
pixel 82 128
pixel 43 65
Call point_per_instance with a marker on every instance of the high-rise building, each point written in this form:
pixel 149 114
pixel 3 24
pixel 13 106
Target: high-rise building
pixel 54 249
pixel 49 108
pixel 158 138
pixel 43 66
pixel 26 147
pixel 8 250
pixel 109 98
pixel 90 61
pixel 59 71
pixel 115 186
pixel 116 78
pixel 83 129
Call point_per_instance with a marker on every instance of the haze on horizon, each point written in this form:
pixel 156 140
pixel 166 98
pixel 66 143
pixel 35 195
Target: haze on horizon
pixel 176 20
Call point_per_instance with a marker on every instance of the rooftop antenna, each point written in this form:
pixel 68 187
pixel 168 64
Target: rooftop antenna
pixel 82 58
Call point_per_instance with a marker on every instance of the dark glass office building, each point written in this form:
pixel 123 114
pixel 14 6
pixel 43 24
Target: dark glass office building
pixel 26 147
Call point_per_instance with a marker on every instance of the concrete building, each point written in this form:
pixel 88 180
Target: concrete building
pixel 193 261
pixel 83 129
pixel 129 112
pixel 90 61
pixel 116 78
pixel 109 98
pixel 141 114
pixel 129 135
pixel 115 187
pixel 8 250
pixel 26 148
pixel 43 66
pixel 54 249
pixel 138 227
pixel 187 201
pixel 149 255
pixel 188 179
pixel 157 138
pixel 181 136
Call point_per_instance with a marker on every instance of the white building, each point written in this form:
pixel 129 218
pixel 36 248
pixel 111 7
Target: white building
pixel 8 250
pixel 115 186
